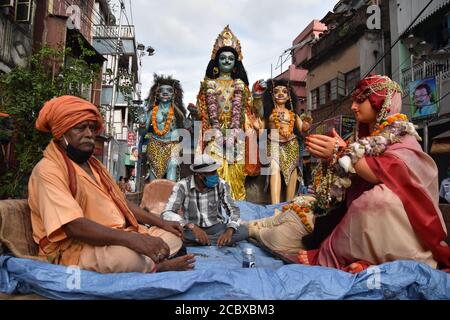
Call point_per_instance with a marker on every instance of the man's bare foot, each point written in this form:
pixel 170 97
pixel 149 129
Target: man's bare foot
pixel 182 263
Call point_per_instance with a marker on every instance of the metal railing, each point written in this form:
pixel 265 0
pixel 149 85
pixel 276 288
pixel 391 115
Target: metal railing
pixel 425 69
pixel 101 31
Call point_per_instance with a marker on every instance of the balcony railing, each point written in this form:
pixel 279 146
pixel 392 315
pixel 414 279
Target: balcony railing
pixel 423 70
pixel 126 32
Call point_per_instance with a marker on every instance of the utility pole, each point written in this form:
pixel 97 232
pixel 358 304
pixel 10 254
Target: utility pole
pixel 114 88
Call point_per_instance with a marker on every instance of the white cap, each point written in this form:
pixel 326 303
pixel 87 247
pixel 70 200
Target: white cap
pixel 248 250
pixel 204 163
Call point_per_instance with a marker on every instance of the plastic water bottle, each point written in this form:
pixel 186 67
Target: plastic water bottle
pixel 249 259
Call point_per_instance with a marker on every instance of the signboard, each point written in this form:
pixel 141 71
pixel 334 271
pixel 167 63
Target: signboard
pixel 327 125
pixel 344 126
pixel 347 126
pixel 134 154
pixel 423 97
pixel 131 138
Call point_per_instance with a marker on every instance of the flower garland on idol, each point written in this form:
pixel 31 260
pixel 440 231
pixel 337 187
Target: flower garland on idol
pixel 302 208
pixel 236 110
pixel 167 124
pixel 276 121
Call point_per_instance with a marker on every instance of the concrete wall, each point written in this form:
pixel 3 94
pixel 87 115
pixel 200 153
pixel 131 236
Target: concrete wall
pixel 314 28
pixel 371 48
pixel 344 61
pixel 59 8
pixel 444 107
pixel 16 41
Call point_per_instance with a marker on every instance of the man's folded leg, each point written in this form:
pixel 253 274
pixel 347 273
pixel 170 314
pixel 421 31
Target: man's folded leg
pixel 114 259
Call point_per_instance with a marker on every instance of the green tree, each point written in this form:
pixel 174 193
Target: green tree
pixel 24 91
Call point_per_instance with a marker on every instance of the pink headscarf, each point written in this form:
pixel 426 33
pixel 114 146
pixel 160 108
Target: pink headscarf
pixel 384 96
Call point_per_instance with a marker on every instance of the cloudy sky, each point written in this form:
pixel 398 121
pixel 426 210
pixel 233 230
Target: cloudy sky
pixel 183 32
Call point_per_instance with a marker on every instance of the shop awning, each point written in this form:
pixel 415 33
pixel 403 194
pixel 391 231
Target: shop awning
pixel 434 7
pixel 441 143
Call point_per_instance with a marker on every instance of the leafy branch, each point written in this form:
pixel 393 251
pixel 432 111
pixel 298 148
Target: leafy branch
pixel 23 92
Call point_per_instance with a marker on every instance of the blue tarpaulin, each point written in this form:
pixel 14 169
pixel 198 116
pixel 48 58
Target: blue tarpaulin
pixel 218 274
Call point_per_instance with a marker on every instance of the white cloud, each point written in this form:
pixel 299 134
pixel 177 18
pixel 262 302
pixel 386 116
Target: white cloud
pixel 183 32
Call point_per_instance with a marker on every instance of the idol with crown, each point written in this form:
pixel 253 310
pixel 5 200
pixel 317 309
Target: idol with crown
pixel 226 108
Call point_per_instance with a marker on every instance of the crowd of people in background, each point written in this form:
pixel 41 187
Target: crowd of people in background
pixel 126 184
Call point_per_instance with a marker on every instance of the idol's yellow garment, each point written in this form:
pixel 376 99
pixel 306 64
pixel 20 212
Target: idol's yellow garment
pixel 232 159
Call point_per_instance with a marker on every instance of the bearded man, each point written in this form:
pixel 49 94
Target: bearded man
pixel 79 216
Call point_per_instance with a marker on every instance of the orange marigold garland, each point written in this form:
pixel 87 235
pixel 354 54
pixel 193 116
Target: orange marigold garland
pixel 276 121
pixel 388 121
pixel 301 211
pixel 168 122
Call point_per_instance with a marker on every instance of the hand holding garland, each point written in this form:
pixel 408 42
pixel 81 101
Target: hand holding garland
pixel 323 147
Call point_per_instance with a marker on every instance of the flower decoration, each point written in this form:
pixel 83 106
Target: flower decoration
pixel 302 208
pixel 236 113
pixel 167 124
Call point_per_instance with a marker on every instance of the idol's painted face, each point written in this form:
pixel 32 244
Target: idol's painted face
pixel 165 93
pixel 226 61
pixel 280 94
pixel 364 112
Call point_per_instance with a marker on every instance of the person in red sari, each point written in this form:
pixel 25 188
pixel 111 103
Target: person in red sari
pixel 391 209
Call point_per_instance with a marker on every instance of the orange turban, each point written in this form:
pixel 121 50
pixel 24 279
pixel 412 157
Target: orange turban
pixel 62 113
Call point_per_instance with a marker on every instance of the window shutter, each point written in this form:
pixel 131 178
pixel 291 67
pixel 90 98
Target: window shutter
pixel 6 3
pixel 341 84
pixel 23 11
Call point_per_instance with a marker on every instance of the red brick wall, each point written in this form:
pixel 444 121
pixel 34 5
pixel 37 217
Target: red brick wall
pixel 86 6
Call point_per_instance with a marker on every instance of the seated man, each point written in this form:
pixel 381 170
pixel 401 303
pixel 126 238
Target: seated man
pixel 203 198
pixel 79 215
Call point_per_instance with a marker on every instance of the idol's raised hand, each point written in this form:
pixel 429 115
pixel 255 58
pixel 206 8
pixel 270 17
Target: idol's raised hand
pixel 322 146
pixel 259 87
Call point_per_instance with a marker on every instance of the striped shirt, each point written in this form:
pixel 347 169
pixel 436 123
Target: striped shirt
pixel 204 209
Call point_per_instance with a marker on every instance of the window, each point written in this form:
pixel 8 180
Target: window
pixel 341 84
pixel 6 3
pixel 23 11
pixel 323 94
pixel 333 89
pixel 351 80
pixel 314 99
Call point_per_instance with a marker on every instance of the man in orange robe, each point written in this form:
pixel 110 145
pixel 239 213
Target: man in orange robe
pixel 79 216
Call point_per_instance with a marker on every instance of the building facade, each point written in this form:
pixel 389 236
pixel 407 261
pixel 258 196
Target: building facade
pixel 17 20
pixel 343 54
pixel 422 57
pixel 301 51
pixel 120 126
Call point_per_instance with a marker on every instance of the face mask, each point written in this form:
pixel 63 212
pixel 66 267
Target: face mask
pixel 211 181
pixel 77 155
